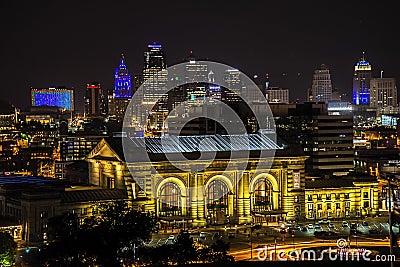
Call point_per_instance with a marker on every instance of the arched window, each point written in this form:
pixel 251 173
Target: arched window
pixel 262 195
pixel 217 196
pixel 170 199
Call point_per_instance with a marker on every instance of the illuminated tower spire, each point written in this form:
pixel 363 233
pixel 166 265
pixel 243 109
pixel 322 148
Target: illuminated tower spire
pixel 122 81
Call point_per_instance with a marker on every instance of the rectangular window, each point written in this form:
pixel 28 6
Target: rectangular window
pixel 328 196
pixel 328 206
pixel 365 194
pixel 366 204
pixel 319 206
pixel 347 196
pixel 319 197
pixel 296 199
pixel 310 206
pixel 338 206
pixel 337 196
pixel 309 197
pixel 347 204
pixel 111 182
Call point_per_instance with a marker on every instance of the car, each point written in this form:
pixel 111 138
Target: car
pixel 345 224
pixel 303 229
pixel 202 235
pixel 317 227
pixel 170 240
pixel 364 223
pixel 310 226
pixel 297 227
pixel 331 226
pixel 324 221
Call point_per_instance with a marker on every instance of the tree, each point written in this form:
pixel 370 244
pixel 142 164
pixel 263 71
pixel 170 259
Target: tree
pixel 108 239
pixel 7 249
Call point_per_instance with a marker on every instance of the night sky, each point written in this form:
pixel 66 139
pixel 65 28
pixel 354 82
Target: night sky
pixel 54 43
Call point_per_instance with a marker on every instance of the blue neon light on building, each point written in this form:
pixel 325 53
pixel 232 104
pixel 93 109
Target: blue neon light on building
pixel 122 81
pixel 63 98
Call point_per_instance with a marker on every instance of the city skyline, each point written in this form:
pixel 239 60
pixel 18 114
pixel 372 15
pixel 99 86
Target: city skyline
pixel 284 42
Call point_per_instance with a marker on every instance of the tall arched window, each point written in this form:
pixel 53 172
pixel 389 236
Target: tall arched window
pixel 262 195
pixel 217 196
pixel 170 199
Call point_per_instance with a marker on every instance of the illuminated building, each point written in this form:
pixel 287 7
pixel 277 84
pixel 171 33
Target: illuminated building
pixel 57 97
pixel 265 195
pixel 233 84
pixel 383 93
pixel 361 82
pixel 154 74
pixel 341 198
pixel 277 95
pixel 95 100
pixel 154 101
pixel 327 139
pixel 122 81
pixel 321 90
pixel 8 116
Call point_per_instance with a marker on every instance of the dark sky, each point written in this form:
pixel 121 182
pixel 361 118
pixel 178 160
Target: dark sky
pixel 53 43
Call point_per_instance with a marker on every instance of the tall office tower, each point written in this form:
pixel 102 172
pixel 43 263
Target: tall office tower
pixel 155 74
pixel 58 97
pixel 233 83
pixel 122 81
pixel 383 93
pixel 361 82
pixel 321 90
pixel 326 139
pixel 155 103
pixel 277 95
pixel 96 102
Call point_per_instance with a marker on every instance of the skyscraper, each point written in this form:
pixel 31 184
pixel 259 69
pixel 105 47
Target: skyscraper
pixel 361 82
pixel 383 93
pixel 154 108
pixel 154 74
pixel 321 90
pixel 95 100
pixel 233 86
pixel 122 81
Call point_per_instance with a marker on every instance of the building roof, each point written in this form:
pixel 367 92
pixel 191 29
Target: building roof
pixel 72 196
pixel 339 182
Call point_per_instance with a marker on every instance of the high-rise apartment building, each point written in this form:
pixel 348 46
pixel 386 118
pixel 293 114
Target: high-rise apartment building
pixel 321 90
pixel 383 93
pixel 361 82
pixel 96 102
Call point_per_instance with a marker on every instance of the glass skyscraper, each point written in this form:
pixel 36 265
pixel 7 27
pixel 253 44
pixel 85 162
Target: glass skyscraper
pixel 321 90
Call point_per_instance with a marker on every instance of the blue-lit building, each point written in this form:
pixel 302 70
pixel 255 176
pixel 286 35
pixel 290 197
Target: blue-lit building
pixel 57 97
pixel 122 81
pixel 361 82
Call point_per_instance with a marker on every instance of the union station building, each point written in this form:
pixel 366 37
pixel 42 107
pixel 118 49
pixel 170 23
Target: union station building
pixel 191 190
